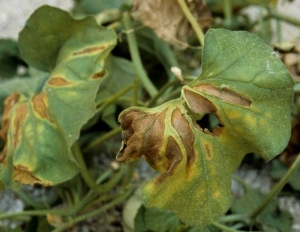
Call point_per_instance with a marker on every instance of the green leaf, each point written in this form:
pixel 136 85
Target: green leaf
pixel 40 128
pixel 278 170
pixel 120 74
pixel 27 86
pixel 249 90
pixel 9 229
pixel 271 218
pixel 205 229
pixel 96 6
pixel 149 42
pixel 218 5
pixel 41 40
pixel 9 58
pixel 150 219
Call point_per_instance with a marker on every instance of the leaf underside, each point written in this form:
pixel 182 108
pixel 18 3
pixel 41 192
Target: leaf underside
pixel 249 90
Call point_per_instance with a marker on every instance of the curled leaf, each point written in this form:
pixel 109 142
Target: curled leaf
pixel 249 91
pixel 41 126
pixel 167 19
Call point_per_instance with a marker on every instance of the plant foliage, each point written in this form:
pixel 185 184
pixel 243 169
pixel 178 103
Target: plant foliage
pixel 238 84
pixel 193 105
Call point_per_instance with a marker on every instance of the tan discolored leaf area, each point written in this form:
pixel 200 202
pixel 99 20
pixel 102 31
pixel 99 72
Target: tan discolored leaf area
pixel 167 19
pixel 249 90
pixel 8 104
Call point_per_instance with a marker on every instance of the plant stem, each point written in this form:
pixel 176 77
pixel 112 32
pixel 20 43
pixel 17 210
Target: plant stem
pixel 224 228
pixel 131 167
pixel 292 20
pixel 135 95
pixel 136 58
pixel 276 189
pixel 232 218
pixel 113 98
pixel 241 182
pixel 172 95
pixel 130 101
pixel 83 169
pixel 279 31
pixel 29 201
pixel 101 139
pixel 74 209
pixel 161 92
pixel 188 14
pixel 92 214
pixel 227 11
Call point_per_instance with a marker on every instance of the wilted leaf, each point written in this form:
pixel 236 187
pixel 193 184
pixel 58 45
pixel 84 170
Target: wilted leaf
pixel 44 125
pixel 250 92
pixel 167 19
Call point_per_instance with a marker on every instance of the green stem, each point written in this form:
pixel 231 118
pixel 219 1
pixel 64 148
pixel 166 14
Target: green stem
pixel 161 92
pixel 279 31
pixel 74 209
pixel 130 101
pixel 189 78
pixel 276 189
pixel 101 139
pixel 29 201
pixel 238 226
pixel 135 95
pixel 136 58
pixel 113 98
pixel 131 168
pixel 224 228
pixel 227 11
pixel 97 201
pixel 188 14
pixel 172 95
pixel 94 213
pixel 233 218
pixel 292 20
pixel 241 182
pixel 83 169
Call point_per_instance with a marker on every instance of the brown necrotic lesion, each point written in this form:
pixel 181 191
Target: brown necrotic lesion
pixel 58 81
pixel 224 94
pixel 145 134
pixel 183 128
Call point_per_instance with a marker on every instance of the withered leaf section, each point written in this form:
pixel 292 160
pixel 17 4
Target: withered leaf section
pixel 249 90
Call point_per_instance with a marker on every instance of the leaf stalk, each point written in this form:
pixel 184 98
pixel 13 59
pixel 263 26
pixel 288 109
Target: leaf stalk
pixel 278 187
pixel 136 58
pixel 195 25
